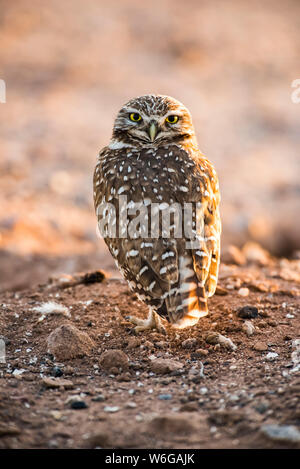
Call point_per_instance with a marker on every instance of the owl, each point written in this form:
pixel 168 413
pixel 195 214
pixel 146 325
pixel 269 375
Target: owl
pixel 157 203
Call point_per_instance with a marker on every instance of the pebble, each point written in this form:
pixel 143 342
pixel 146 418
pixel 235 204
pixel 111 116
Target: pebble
pixel 284 433
pixel 202 352
pixel 262 407
pixel 77 405
pixel 248 327
pixel 115 360
pixel 189 343
pixel 165 397
pixel 203 391
pixel 112 409
pixel 133 342
pixel 165 365
pixel 57 383
pixel 130 405
pixel 74 398
pixel 56 414
pixel 56 372
pixel 212 338
pixel 248 312
pixel 271 356
pixel 260 346
pixel 17 373
pixel 215 338
pixel 67 342
pixel 243 291
pixel 99 398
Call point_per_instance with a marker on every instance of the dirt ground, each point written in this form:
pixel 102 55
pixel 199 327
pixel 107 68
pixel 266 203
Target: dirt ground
pixel 99 384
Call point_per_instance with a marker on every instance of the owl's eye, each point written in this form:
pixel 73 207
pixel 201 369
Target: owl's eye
pixel 172 119
pixel 135 117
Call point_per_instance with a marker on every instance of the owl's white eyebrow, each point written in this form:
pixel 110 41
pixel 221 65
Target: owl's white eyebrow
pixel 130 109
pixel 173 113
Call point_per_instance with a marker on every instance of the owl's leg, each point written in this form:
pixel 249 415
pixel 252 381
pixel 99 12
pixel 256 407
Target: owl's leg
pixel 152 322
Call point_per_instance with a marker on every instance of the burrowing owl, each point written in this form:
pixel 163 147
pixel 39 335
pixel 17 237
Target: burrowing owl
pixel 157 202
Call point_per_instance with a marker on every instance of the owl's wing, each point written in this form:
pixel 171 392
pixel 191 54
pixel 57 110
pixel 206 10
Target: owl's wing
pixel 206 255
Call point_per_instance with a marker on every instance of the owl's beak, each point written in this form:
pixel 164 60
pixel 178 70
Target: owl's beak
pixel 152 131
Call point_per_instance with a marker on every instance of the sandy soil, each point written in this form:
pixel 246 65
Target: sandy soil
pixel 68 70
pixel 150 390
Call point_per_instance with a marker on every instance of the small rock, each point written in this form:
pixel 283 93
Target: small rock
pixel 133 342
pixel 248 327
pixel 112 409
pixel 243 291
pixel 56 414
pixel 189 343
pixel 165 397
pixel 56 372
pixel 68 370
pixel 271 356
pixel 17 373
pixel 165 365
pixel 260 346
pixel 67 342
pixel 130 405
pixel 77 405
pixel 283 433
pixel 114 358
pixel 161 344
pixel 73 398
pixel 212 338
pixel 248 312
pixel 57 383
pixel 99 398
pixel 202 352
pixel 262 407
pixel 215 338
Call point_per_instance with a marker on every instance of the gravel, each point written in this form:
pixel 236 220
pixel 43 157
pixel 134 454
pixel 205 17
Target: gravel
pixel 283 433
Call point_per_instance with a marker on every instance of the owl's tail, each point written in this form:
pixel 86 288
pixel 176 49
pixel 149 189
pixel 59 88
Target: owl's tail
pixel 187 301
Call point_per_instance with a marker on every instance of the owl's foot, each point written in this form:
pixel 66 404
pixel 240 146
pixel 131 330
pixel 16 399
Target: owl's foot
pixel 153 321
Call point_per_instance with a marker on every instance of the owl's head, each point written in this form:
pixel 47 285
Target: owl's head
pixel 152 120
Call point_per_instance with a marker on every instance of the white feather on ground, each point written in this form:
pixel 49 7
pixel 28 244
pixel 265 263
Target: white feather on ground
pixel 51 307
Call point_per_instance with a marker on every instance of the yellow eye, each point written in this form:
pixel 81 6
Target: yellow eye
pixel 172 119
pixel 135 117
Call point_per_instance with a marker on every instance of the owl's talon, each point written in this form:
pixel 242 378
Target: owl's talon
pixel 152 322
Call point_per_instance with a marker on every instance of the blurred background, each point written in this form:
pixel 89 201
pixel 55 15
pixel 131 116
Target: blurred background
pixel 70 65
